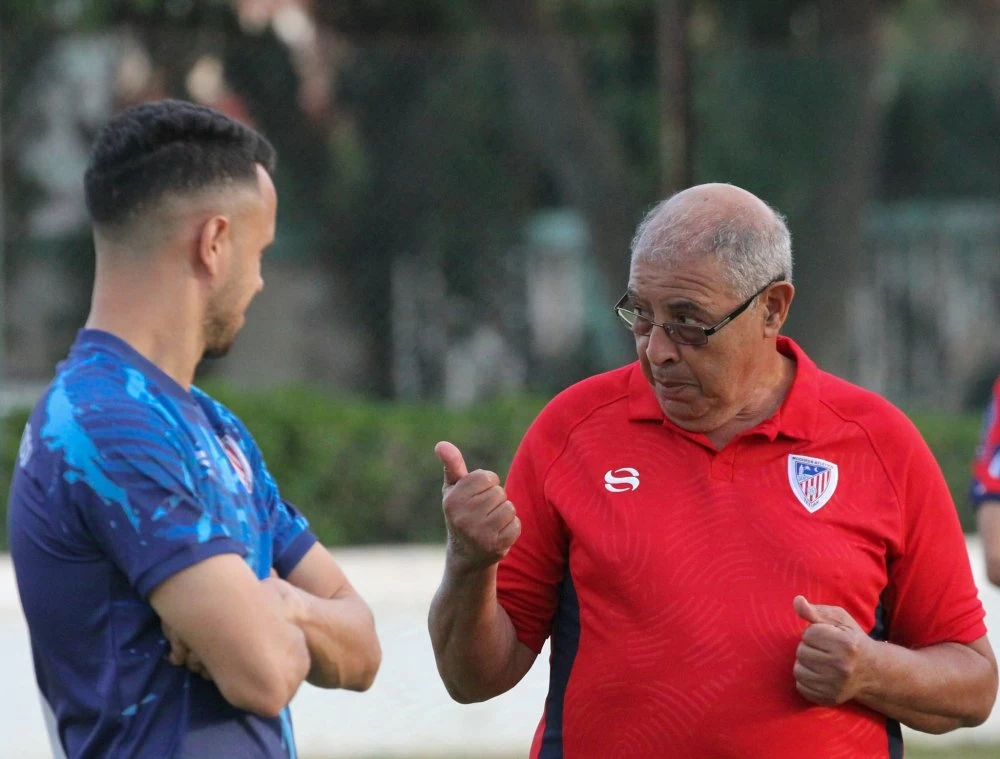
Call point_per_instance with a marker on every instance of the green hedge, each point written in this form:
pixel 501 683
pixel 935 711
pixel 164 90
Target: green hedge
pixel 361 471
pixel 365 472
pixel 953 439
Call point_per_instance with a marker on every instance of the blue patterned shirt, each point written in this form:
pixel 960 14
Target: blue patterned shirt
pixel 123 479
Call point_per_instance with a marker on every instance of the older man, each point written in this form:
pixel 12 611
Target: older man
pixel 734 553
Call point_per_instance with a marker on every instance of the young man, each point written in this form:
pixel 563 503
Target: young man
pixel 986 487
pixel 736 555
pixel 175 602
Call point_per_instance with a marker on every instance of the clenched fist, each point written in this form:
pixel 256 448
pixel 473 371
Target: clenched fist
pixel 834 658
pixel 482 523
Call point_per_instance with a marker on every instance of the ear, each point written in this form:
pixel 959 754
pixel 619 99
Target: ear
pixel 213 245
pixel 777 301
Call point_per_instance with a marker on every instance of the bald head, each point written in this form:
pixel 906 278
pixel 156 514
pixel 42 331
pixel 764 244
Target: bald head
pixel 716 203
pixel 742 231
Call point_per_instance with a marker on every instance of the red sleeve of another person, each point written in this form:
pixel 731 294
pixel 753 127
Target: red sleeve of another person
pixel 528 577
pixel 931 597
pixel 986 467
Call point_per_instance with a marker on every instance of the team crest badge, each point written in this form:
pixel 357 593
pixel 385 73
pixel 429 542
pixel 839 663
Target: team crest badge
pixel 813 481
pixel 239 461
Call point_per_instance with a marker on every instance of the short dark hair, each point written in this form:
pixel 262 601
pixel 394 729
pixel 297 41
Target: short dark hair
pixel 167 146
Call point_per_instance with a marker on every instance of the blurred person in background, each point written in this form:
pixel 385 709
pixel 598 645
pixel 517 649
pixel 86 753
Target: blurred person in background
pixel 986 487
pixel 175 602
pixel 734 553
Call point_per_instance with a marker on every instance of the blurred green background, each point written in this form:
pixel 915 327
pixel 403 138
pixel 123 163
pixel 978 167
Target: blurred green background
pixel 459 180
pixel 364 471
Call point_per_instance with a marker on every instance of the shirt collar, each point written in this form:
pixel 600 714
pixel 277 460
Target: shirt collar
pixel 96 339
pixel 795 418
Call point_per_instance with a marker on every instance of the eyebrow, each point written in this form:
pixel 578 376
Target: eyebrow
pixel 684 305
pixel 681 304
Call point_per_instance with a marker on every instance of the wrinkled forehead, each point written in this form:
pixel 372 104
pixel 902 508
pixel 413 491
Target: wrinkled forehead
pixel 700 278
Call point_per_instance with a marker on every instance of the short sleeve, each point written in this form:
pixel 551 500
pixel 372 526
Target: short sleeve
pixel 528 577
pixel 931 597
pixel 986 466
pixel 290 535
pixel 140 499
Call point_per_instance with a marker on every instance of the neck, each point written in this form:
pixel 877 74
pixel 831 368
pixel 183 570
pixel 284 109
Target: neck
pixel 771 388
pixel 142 306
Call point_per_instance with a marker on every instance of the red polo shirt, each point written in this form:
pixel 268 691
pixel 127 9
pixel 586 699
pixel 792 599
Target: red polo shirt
pixel 986 468
pixel 664 570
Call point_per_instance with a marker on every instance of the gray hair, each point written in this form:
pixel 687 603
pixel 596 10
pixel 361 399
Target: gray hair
pixel 753 252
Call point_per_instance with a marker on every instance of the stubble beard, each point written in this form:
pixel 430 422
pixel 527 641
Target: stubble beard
pixel 219 335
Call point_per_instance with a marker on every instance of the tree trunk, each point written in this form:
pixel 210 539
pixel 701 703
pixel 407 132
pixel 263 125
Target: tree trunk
pixel 676 133
pixel 831 264
pixel 558 119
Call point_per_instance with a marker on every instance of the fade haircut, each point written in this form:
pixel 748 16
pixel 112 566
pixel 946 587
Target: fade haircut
pixel 167 147
pixel 753 251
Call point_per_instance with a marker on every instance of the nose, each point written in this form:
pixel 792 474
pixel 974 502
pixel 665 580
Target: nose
pixel 660 349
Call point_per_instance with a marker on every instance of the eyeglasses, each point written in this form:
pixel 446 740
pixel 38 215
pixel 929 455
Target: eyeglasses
pixel 683 334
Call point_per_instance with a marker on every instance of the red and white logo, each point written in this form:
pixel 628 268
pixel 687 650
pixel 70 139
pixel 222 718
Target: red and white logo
pixel 813 481
pixel 239 461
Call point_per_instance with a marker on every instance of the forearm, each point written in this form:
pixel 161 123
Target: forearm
pixel 256 665
pixel 342 642
pixel 264 688
pixel 934 689
pixel 267 687
pixel 475 644
pixel 926 723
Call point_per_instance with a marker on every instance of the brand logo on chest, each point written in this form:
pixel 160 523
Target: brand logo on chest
pixel 813 481
pixel 621 480
pixel 239 461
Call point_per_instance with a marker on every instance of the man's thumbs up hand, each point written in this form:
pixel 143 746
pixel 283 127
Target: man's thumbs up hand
pixel 454 463
pixel 482 523
pixel 828 615
pixel 835 655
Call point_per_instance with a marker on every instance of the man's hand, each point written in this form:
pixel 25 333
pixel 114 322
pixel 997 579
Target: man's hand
pixel 182 656
pixel 833 659
pixel 287 595
pixel 482 523
pixel 292 600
